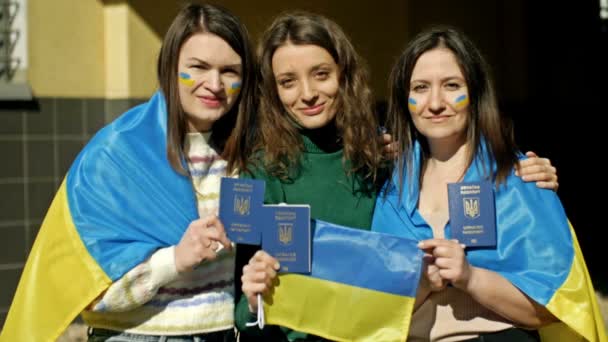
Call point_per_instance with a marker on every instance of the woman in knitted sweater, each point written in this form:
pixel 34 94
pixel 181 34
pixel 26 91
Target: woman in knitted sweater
pixel 205 70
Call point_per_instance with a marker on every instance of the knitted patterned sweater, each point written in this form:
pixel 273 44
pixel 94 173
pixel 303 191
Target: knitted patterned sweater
pixel 152 298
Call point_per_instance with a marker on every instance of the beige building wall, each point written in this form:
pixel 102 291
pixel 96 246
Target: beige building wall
pixel 90 48
pixel 116 48
pixel 143 48
pixel 108 48
pixel 131 48
pixel 66 50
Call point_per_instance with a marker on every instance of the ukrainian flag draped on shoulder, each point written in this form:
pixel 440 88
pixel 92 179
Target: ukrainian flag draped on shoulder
pixel 362 287
pixel 119 202
pixel 537 249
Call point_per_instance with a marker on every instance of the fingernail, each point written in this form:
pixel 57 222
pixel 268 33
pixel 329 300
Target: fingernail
pixel 463 245
pixel 277 266
pixel 420 244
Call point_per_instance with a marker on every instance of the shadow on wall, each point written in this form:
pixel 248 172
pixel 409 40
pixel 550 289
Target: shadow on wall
pixel 158 17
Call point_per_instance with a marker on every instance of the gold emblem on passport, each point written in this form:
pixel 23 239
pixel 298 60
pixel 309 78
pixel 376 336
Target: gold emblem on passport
pixel 242 205
pixel 286 233
pixel 471 207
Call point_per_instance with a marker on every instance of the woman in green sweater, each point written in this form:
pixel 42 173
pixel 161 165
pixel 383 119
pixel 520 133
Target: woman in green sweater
pixel 317 131
pixel 317 137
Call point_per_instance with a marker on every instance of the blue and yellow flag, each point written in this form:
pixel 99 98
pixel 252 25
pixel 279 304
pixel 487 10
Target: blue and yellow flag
pixel 536 251
pixel 119 202
pixel 362 287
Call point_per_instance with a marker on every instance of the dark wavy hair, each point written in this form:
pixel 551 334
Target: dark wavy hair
pixel 485 121
pixel 231 133
pixel 355 119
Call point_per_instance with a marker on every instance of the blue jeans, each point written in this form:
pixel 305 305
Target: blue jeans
pixel 104 335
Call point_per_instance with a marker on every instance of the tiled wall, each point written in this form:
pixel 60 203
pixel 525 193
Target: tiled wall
pixel 36 149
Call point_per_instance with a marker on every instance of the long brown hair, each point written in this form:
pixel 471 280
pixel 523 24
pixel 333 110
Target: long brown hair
pixel 485 122
pixel 231 132
pixel 355 120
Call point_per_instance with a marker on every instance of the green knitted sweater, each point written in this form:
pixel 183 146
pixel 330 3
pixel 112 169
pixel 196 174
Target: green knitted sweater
pixel 333 194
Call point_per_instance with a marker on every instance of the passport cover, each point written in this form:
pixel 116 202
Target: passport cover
pixel 240 211
pixel 287 236
pixel 473 213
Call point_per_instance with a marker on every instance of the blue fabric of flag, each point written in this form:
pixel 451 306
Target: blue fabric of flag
pixel 125 198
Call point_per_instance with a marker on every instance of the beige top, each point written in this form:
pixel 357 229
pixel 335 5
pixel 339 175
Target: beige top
pixel 453 315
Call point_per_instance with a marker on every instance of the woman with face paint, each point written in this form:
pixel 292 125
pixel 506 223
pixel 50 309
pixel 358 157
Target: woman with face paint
pixel 315 142
pixel 151 257
pixel 444 114
pixel 206 73
pixel 205 69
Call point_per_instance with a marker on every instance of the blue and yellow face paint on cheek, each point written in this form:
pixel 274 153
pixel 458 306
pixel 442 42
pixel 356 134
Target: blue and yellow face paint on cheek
pixel 234 88
pixel 412 105
pixel 186 79
pixel 461 101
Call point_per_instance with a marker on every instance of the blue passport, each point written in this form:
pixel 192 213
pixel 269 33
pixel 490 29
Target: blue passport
pixel 473 213
pixel 241 202
pixel 287 236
